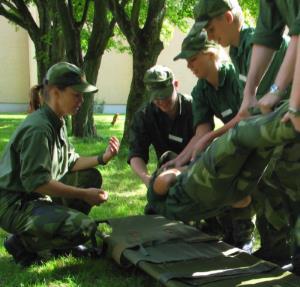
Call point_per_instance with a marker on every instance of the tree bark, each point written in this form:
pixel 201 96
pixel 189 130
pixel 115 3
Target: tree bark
pixel 145 45
pixel 141 63
pixel 83 121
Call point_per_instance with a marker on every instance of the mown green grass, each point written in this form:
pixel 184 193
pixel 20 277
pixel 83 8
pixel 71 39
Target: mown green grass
pixel 126 197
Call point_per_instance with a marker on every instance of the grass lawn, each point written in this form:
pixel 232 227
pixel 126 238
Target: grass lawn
pixel 127 197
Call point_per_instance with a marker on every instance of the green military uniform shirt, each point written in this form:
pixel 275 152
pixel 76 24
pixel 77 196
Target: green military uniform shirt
pixel 223 102
pixel 241 57
pixel 152 126
pixel 227 170
pixel 37 152
pixel 274 15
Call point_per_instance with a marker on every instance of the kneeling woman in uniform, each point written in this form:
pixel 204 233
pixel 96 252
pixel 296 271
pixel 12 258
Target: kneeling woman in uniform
pixel 46 188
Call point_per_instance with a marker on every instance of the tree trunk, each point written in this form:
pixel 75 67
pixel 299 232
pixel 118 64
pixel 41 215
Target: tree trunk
pixel 42 66
pixel 83 121
pixel 143 59
pixel 56 54
pixel 49 40
pixel 145 45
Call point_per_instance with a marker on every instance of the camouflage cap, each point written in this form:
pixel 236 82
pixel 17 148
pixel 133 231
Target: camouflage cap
pixel 68 75
pixel 205 10
pixel 194 42
pixel 159 82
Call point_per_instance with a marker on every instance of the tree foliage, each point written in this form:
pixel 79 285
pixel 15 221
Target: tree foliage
pixel 250 10
pixel 143 23
pixel 80 30
pixel 87 26
pixel 75 30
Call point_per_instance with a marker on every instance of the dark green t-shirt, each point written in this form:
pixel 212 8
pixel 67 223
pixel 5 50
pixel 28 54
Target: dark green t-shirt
pixel 274 15
pixel 37 152
pixel 241 57
pixel 223 102
pixel 151 126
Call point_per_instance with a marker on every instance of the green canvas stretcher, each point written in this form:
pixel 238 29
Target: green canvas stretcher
pixel 180 255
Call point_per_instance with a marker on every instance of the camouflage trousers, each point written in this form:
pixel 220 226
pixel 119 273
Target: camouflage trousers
pixel 234 226
pixel 228 170
pixel 43 223
pixel 283 176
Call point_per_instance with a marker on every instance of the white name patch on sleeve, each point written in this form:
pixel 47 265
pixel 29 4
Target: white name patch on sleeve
pixel 175 138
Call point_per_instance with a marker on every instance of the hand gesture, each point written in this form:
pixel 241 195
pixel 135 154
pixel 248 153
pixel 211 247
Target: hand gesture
pixel 111 150
pixel 176 162
pixel 200 146
pixel 249 101
pixel 267 102
pixel 95 196
pixel 295 120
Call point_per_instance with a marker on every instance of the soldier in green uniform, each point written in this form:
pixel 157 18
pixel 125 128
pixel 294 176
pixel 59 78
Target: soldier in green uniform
pixel 223 20
pixel 224 23
pixel 165 121
pixel 274 16
pixel 217 94
pixel 46 188
pixel 227 171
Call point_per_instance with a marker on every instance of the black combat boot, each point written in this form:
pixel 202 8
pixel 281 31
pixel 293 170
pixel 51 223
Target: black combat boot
pixel 20 254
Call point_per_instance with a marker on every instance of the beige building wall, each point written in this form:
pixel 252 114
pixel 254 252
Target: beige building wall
pixel 18 72
pixel 116 72
pixel 14 76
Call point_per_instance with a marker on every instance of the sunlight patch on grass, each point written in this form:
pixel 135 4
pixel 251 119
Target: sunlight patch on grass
pixel 127 197
pixel 129 194
pixel 13 116
pixel 5 127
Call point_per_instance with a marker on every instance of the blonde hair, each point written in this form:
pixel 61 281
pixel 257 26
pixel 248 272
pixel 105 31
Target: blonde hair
pixel 220 55
pixel 238 16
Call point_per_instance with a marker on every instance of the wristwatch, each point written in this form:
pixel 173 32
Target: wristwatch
pixel 294 111
pixel 274 89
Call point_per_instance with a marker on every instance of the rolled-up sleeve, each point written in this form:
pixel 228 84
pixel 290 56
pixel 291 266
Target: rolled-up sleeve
pixel 202 112
pixel 270 26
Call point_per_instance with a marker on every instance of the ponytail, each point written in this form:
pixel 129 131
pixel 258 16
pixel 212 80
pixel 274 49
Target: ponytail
pixel 35 98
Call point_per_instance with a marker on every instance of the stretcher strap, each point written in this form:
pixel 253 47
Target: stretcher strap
pixel 138 232
pixel 219 273
pixel 177 251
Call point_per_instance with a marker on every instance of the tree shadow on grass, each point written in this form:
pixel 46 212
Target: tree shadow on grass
pixel 68 271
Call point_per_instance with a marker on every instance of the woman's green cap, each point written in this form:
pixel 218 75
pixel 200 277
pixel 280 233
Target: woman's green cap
pixel 65 74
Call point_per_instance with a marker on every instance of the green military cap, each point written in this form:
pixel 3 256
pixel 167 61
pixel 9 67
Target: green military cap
pixel 194 42
pixel 159 82
pixel 205 10
pixel 68 75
